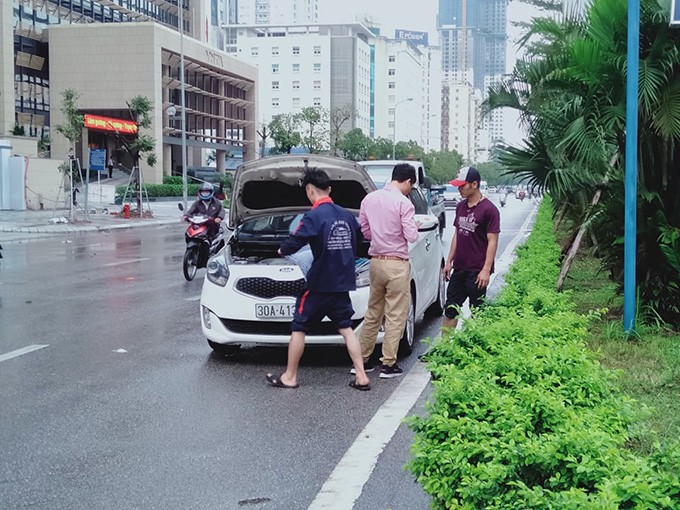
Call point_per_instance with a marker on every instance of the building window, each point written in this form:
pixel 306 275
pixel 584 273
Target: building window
pixel 275 102
pixel 275 85
pixel 275 68
pixel 254 51
pixel 296 85
pixel 317 84
pixel 275 51
pixel 390 111
pixel 391 99
pixel 317 50
pixel 296 101
pixel 296 50
pixel 317 67
pixel 391 85
pixel 391 72
pixel 391 58
pixel 296 68
pixel 390 124
pixel 317 101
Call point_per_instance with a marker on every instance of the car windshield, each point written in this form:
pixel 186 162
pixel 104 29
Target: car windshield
pixel 275 224
pixel 450 188
pixel 380 174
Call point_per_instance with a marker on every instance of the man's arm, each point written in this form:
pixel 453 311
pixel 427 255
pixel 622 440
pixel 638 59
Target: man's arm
pixel 485 274
pixel 408 222
pixel 304 232
pixel 363 222
pixel 449 260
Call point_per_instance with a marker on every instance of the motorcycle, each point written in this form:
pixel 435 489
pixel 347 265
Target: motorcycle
pixel 503 201
pixel 522 194
pixel 199 246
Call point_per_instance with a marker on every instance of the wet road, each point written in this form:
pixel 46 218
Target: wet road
pixel 126 407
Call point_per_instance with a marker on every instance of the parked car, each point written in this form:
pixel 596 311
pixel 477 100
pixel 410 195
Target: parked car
pixel 380 171
pixel 249 292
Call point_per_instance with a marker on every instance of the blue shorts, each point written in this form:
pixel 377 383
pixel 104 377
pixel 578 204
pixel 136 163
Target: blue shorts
pixel 311 308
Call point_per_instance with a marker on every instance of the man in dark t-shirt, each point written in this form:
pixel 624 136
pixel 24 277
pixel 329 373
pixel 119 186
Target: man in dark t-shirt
pixel 473 246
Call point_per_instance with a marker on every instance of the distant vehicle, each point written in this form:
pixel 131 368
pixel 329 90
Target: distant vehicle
pixel 451 195
pixel 492 189
pixel 483 186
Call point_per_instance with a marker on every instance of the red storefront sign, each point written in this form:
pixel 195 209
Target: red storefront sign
pixel 110 124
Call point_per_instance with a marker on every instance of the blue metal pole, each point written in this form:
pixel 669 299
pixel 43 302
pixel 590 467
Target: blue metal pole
pixel 630 225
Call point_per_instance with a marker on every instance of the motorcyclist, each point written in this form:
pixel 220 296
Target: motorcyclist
pixel 208 205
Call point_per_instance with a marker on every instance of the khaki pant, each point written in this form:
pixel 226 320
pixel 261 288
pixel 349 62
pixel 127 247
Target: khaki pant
pixel 389 298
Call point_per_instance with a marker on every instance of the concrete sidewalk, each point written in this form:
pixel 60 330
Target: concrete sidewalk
pixel 28 225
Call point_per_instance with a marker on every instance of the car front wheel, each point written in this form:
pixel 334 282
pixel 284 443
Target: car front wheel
pixel 407 341
pixel 437 308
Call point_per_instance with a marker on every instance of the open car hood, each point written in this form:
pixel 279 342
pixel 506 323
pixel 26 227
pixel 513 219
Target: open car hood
pixel 273 185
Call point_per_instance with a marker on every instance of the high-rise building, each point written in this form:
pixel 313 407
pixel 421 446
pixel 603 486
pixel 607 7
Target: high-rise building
pixel 473 35
pixel 110 51
pixel 265 12
pixel 473 40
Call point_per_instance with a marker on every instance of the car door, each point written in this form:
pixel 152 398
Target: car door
pixel 424 255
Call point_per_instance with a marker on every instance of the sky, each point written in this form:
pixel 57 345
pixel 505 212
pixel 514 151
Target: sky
pixel 422 16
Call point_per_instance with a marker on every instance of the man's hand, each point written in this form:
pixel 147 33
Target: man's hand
pixel 447 270
pixel 483 278
pixel 278 252
pixel 218 220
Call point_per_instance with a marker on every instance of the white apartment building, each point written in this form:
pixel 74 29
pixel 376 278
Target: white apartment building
pixel 463 117
pixel 493 131
pixel 432 76
pixel 275 12
pixel 400 90
pixel 308 65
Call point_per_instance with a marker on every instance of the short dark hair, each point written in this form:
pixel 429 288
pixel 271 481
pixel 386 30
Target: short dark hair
pixel 404 172
pixel 317 178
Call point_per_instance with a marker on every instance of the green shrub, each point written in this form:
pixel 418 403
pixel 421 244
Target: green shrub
pixel 523 416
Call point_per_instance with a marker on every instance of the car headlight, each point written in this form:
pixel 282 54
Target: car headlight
pixel 217 271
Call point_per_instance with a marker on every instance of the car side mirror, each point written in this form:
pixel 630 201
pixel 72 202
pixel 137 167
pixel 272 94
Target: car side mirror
pixel 180 207
pixel 428 225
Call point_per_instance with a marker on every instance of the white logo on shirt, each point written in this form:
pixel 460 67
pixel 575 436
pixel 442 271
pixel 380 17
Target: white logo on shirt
pixel 339 237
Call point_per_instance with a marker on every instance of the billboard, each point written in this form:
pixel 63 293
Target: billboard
pixel 675 12
pixel 414 37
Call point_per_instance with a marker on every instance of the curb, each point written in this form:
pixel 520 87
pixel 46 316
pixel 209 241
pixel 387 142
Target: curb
pixel 70 229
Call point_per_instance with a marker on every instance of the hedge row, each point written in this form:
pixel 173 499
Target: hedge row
pixel 522 414
pixel 164 190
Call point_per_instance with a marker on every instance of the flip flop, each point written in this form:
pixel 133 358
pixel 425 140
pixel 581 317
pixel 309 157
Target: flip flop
pixel 275 380
pixel 360 387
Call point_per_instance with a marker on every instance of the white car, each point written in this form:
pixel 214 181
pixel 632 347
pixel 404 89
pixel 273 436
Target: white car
pixel 249 292
pixel 451 195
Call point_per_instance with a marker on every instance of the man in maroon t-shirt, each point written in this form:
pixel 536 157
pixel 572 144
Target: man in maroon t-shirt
pixel 473 247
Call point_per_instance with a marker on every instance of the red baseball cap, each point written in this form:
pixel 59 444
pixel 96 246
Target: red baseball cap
pixel 466 174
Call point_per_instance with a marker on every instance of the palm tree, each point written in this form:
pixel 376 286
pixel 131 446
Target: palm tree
pixel 570 91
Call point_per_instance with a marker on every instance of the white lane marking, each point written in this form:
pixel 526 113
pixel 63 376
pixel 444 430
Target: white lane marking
pixel 120 351
pixel 347 480
pixel 19 352
pixel 345 484
pixel 194 298
pixel 133 261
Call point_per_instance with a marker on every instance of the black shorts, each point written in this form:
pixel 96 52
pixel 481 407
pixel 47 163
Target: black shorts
pixel 311 308
pixel 462 285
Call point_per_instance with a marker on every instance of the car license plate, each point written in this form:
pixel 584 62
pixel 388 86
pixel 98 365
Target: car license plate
pixel 276 311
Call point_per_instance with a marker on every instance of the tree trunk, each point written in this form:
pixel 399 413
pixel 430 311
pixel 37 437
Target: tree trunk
pixel 582 230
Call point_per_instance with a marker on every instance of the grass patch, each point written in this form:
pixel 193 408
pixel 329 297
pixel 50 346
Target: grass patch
pixel 648 364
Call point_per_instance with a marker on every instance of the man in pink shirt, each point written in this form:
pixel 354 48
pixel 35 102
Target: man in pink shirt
pixel 387 220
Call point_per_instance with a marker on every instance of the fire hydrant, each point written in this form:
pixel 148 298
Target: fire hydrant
pixel 126 211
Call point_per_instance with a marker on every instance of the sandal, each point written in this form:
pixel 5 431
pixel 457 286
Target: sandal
pixel 275 380
pixel 360 387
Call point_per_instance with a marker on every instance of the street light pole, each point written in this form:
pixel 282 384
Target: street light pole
pixel 394 128
pixel 180 5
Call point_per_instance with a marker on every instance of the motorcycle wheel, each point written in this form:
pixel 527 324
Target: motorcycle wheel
pixel 189 264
